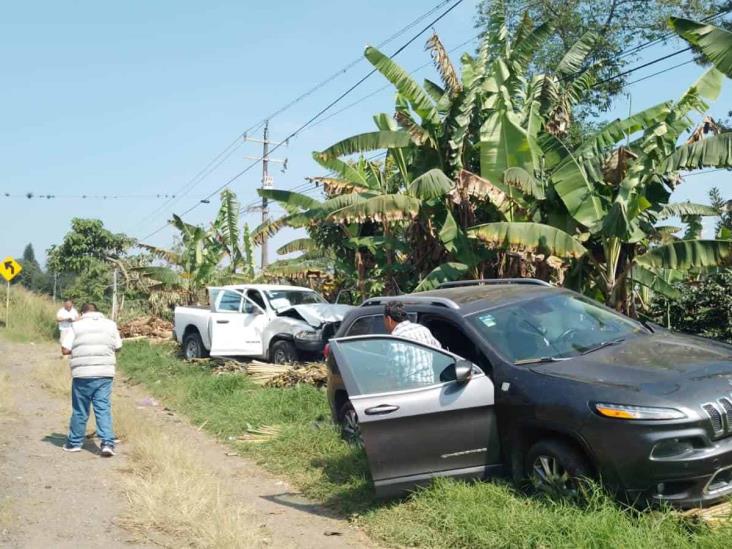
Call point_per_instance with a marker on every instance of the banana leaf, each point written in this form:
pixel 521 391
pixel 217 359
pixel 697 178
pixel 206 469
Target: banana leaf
pixel 715 43
pixel 289 198
pixel 365 142
pixel 297 245
pixel 715 151
pixel 687 254
pixel 406 86
pixel 503 144
pixel 523 236
pixel 431 184
pixel 444 273
pixel 654 282
pixel 686 208
pixel 386 207
pixel 575 57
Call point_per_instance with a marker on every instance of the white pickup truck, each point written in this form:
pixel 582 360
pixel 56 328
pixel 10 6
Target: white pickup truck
pixel 277 323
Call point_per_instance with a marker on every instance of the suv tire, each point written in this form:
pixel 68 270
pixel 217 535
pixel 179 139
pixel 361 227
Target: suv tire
pixel 283 352
pixel 556 468
pixel 348 421
pixel 193 346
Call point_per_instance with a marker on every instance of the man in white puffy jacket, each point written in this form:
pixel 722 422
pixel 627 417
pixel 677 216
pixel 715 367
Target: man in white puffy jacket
pixel 92 343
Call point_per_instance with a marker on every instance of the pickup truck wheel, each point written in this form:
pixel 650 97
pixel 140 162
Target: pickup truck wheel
pixel 283 352
pixel 556 469
pixel 350 428
pixel 193 346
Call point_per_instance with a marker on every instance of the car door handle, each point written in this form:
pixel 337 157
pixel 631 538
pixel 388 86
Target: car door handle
pixel 222 322
pixel 381 409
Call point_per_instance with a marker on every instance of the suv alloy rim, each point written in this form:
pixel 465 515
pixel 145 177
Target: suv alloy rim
pixel 549 476
pixel 351 429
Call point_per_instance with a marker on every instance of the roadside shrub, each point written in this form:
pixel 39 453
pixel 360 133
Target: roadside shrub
pixel 32 316
pixel 704 308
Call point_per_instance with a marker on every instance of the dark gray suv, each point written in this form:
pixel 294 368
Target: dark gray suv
pixel 539 382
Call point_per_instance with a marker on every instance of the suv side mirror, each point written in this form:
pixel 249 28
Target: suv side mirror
pixel 463 370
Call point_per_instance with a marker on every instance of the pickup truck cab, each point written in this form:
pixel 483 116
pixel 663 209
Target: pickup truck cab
pixel 271 322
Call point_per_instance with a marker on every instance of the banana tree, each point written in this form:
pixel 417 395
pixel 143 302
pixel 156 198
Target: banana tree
pixel 615 194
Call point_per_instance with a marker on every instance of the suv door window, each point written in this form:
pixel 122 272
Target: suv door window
pixel 452 338
pixel 391 364
pixel 372 324
pixel 229 302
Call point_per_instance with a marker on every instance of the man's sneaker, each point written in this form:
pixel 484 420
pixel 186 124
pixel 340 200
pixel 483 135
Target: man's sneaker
pixel 107 449
pixel 71 448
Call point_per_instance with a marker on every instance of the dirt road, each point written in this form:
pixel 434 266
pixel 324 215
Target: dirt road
pixel 50 498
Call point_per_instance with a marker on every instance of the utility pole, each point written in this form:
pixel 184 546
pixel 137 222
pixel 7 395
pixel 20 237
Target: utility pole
pixel 55 282
pixel 267 183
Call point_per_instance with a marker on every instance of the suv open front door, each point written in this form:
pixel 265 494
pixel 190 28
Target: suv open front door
pixel 417 421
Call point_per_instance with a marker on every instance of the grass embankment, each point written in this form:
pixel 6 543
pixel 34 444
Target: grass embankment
pixel 448 514
pixel 32 318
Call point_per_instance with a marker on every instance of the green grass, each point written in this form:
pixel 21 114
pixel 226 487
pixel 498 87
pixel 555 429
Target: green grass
pixel 448 514
pixel 32 317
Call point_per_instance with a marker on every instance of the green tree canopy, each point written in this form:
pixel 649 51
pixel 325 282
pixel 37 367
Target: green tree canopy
pixel 88 242
pixel 622 26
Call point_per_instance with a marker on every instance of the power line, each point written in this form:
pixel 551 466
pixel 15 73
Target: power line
pixel 52 196
pixel 660 72
pixel 205 172
pixel 643 66
pixel 316 116
pixel 198 178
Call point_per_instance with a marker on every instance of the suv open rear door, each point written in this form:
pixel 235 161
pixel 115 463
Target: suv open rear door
pixel 417 420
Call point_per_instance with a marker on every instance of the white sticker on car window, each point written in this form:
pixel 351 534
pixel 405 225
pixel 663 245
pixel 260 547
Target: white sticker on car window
pixel 488 321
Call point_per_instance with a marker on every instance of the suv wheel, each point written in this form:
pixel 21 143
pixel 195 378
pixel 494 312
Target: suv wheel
pixel 283 352
pixel 350 428
pixel 556 468
pixel 193 346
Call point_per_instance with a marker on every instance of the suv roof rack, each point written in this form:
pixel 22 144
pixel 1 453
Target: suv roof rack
pixel 413 299
pixel 495 281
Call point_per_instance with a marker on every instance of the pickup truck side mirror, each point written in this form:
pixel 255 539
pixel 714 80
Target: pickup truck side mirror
pixel 463 370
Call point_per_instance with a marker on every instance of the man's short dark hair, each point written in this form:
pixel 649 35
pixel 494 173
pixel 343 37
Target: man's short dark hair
pixel 395 311
pixel 88 308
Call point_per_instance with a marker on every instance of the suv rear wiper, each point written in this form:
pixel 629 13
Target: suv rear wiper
pixel 603 345
pixel 540 360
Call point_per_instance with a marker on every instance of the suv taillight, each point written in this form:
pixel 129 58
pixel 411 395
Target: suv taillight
pixel 326 351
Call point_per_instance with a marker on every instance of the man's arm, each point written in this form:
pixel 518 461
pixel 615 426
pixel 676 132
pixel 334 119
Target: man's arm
pixel 117 340
pixel 67 342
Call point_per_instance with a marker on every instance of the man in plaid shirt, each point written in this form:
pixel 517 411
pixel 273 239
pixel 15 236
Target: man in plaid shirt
pixel 414 363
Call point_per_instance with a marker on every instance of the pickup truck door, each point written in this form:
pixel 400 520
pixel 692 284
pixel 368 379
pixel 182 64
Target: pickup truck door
pixel 417 422
pixel 236 325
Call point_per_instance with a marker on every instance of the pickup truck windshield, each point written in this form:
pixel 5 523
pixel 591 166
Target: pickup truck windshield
pixel 281 299
pixel 552 327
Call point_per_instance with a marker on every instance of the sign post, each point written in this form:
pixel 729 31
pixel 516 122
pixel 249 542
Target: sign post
pixel 9 269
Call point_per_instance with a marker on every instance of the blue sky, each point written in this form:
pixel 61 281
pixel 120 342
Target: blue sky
pixel 135 98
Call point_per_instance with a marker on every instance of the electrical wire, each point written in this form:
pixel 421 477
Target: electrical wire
pixel 52 196
pixel 314 117
pixel 660 72
pixel 205 172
